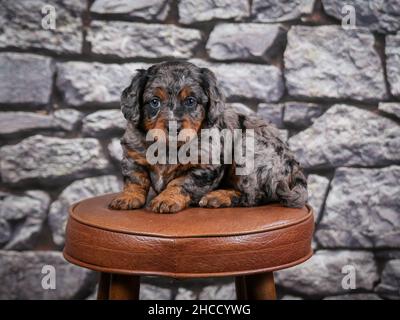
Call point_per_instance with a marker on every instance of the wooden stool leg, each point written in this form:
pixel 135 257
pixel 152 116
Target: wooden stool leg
pixel 260 286
pixel 124 287
pixel 240 283
pixel 104 286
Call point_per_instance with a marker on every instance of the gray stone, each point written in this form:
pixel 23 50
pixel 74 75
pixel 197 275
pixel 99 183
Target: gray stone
pixel 387 254
pixel 355 296
pixel 348 136
pixel 104 123
pixel 241 108
pixel 244 41
pixel 223 292
pixel 24 122
pixel 280 10
pixel 389 286
pixel 28 213
pixel 381 16
pixel 314 245
pixel 93 295
pixel 96 84
pixel 76 191
pixel 284 134
pixel 301 115
pixel 290 297
pixel 392 108
pixel 146 9
pixel 5 231
pixel 31 203
pixel 207 292
pixel 317 189
pixel 19 122
pixel 362 209
pixel 115 149
pixel 3 195
pixel 23 275
pixel 49 159
pixel 22 25
pixel 67 119
pixel 393 63
pixel 326 62
pixel 271 112
pixel 25 79
pixel 142 40
pixel 151 292
pixel 322 275
pixel 262 81
pixel 186 294
pixel 191 11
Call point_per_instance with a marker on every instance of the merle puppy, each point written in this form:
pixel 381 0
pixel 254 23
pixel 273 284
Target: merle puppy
pixel 189 95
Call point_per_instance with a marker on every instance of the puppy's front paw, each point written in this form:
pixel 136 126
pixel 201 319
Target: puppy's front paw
pixel 219 199
pixel 167 203
pixel 126 202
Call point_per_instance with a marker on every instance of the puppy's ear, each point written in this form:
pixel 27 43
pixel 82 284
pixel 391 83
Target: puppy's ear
pixel 216 100
pixel 131 97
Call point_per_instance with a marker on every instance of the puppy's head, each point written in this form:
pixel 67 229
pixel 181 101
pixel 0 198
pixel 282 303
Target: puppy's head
pixel 172 91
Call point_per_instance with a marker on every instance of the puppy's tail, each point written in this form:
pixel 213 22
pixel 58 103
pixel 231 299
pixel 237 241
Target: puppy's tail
pixel 294 195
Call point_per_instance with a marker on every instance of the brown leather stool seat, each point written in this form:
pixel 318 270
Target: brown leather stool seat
pixel 196 242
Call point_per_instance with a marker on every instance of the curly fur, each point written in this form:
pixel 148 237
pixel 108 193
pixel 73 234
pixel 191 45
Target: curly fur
pixel 277 176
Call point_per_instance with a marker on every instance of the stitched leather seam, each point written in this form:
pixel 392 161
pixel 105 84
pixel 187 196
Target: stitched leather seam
pixel 186 275
pixel 276 227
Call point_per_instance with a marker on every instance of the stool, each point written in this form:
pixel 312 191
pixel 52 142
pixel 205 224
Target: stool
pixel 248 243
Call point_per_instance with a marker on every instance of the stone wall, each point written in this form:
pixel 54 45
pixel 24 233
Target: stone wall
pixel 334 93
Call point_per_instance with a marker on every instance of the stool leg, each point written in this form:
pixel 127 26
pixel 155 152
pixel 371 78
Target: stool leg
pixel 260 286
pixel 104 286
pixel 124 287
pixel 240 283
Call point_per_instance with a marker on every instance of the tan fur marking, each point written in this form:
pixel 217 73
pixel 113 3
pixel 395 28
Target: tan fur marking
pixel 184 93
pixel 219 198
pixel 188 123
pixel 161 93
pixel 172 199
pixel 138 157
pixel 133 196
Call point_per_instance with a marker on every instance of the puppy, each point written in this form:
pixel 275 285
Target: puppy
pixel 189 95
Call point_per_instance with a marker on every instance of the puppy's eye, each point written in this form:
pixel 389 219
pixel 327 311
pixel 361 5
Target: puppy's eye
pixel 190 102
pixel 155 103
